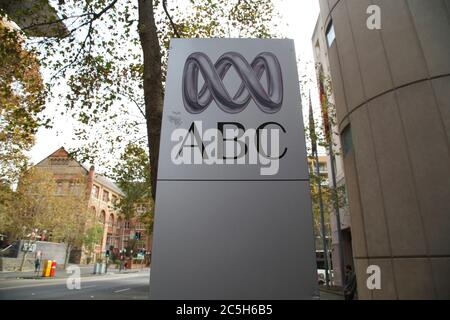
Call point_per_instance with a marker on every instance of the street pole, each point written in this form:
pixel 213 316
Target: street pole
pixel 123 233
pixel 322 221
pixel 29 243
pixel 312 133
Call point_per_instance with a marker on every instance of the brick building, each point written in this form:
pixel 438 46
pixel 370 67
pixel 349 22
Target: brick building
pixel 118 232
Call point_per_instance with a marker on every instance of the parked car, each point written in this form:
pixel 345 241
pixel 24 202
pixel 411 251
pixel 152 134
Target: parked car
pixel 321 276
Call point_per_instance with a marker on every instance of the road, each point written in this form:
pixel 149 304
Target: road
pixel 132 286
pixel 116 286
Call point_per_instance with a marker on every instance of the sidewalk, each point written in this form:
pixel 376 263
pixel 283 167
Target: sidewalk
pixel 85 270
pixel 331 293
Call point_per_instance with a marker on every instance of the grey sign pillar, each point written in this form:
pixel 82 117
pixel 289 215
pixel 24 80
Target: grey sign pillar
pixel 233 210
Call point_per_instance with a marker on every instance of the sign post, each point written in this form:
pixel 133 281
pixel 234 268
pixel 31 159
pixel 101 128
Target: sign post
pixel 233 210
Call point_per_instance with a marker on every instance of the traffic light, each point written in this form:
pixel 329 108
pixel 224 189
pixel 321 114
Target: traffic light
pixel 107 253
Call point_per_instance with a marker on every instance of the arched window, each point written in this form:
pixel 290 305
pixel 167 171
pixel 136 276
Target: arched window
pixel 102 216
pixel 111 220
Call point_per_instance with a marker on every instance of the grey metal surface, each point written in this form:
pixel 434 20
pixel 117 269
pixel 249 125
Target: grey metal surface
pixel 233 240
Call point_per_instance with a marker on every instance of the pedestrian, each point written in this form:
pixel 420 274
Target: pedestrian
pixel 121 263
pixel 350 283
pixel 37 265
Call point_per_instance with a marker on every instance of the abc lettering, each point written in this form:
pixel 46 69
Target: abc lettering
pixel 230 144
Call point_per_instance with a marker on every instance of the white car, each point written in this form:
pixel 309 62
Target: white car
pixel 321 276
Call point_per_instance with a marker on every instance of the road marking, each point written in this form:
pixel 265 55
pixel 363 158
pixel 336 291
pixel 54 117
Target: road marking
pixel 87 287
pixel 122 290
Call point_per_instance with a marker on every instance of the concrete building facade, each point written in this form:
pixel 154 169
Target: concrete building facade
pixel 392 96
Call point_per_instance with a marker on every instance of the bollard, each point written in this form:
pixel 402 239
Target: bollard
pixel 53 267
pixel 47 267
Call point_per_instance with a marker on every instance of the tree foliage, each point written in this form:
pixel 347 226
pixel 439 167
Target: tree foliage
pixel 132 175
pixel 40 204
pixel 22 98
pixel 108 69
pixel 322 132
pixel 91 238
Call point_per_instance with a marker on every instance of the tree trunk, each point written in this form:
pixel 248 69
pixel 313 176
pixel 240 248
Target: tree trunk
pixel 66 259
pixel 153 90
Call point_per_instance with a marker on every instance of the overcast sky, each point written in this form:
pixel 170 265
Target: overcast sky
pixel 299 18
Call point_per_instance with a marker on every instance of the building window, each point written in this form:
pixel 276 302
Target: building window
pixel 323 167
pixel 111 221
pixel 347 140
pixel 141 209
pixel 95 191
pixel 105 196
pixel 330 34
pixel 59 188
pixel 102 217
pixel 138 226
pixel 126 224
pixel 109 241
pixel 114 199
pixel 75 187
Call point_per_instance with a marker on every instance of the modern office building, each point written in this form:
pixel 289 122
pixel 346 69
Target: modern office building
pixel 319 44
pixel 392 94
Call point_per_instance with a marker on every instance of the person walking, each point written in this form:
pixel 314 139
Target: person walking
pixel 37 265
pixel 350 283
pixel 121 263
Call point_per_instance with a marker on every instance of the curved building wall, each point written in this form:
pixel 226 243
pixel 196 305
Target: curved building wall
pixel 392 95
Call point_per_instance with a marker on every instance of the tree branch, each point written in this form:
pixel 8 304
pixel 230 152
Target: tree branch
pixel 170 19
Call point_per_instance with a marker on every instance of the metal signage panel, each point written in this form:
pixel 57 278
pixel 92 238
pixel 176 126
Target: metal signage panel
pixel 253 83
pixel 233 210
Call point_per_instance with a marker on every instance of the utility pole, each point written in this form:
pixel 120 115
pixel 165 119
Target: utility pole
pixel 322 222
pixel 312 132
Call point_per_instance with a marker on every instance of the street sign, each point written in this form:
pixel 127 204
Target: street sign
pixel 29 247
pixel 233 210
